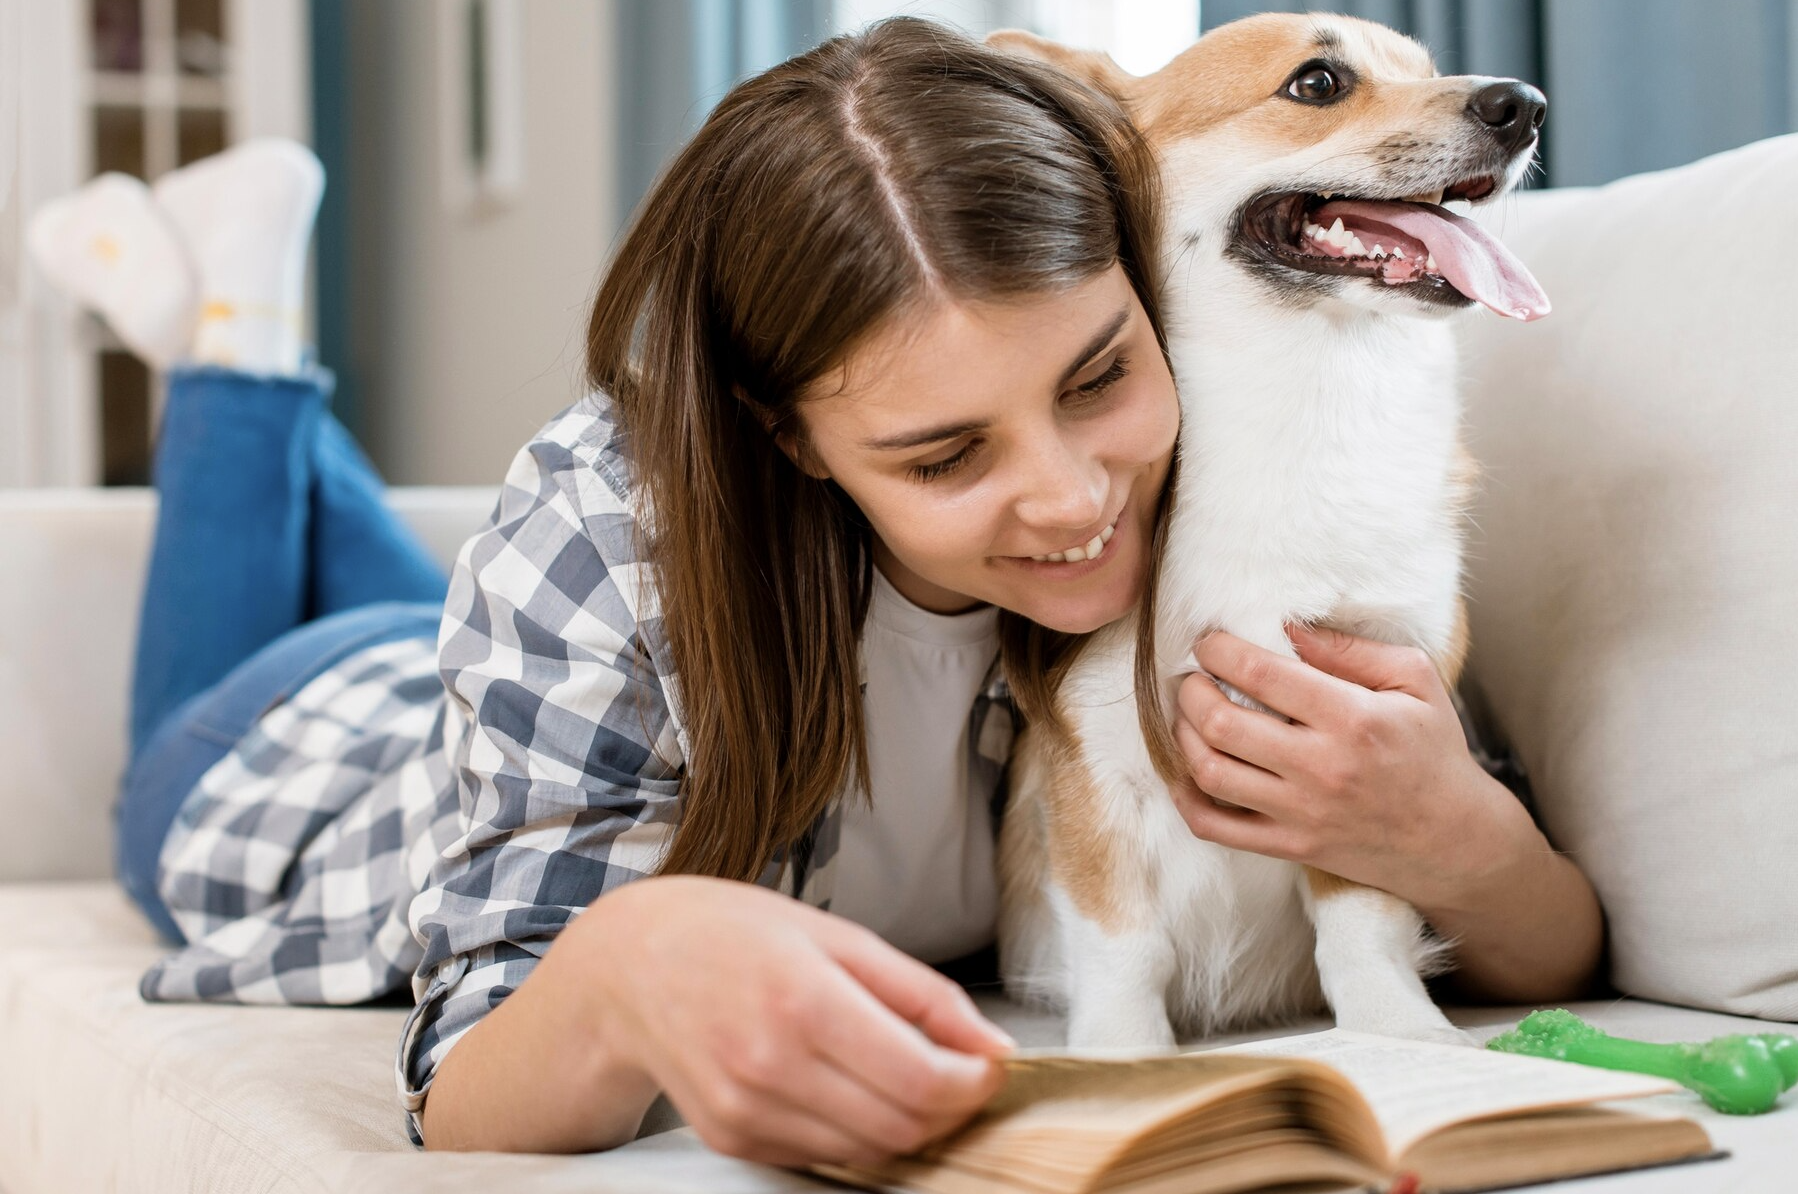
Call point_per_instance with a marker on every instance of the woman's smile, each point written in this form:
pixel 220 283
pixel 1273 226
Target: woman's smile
pixel 1082 559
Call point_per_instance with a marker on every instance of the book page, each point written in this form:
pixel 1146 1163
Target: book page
pixel 1417 1088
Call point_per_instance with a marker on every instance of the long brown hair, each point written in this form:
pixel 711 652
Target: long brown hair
pixel 865 177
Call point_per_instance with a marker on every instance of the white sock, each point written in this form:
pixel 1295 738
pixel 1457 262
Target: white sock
pixel 107 246
pixel 246 217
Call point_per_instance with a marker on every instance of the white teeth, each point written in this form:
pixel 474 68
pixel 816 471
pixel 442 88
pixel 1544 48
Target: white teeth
pixel 1087 551
pixel 1336 228
pixel 1379 250
pixel 1314 231
pixel 1430 262
pixel 1398 252
pixel 1356 248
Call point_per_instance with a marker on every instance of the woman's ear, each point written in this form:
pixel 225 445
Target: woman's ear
pixel 794 445
pixel 801 454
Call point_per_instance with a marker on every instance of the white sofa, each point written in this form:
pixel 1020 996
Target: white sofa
pixel 100 1091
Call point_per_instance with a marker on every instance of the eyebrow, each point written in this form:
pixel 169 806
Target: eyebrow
pixel 931 435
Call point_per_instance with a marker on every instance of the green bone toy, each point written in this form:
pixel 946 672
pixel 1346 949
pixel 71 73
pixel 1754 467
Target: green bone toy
pixel 1739 1075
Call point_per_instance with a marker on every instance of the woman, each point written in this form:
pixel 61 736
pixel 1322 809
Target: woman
pixel 884 331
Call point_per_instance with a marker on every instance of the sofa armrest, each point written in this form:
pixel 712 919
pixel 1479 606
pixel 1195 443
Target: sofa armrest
pixel 73 565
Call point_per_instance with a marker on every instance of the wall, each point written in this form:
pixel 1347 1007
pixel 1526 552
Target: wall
pixel 465 326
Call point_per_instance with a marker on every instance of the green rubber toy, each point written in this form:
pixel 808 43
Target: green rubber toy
pixel 1738 1075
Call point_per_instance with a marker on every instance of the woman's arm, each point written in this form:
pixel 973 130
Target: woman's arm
pixel 1372 780
pixel 782 1033
pixel 1528 927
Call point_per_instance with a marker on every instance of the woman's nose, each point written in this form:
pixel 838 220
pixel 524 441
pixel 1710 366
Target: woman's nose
pixel 1063 489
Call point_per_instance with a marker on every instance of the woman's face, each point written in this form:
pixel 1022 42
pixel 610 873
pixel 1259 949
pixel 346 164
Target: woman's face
pixel 977 435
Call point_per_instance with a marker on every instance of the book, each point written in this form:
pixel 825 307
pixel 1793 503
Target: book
pixel 1332 1109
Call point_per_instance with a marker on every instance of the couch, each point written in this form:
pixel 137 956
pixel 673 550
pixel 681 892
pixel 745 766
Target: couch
pixel 100 1091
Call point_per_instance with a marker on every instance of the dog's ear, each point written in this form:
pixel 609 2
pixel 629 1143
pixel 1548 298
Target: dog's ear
pixel 1094 66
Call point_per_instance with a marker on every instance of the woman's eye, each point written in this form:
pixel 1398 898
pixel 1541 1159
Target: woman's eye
pixel 1314 84
pixel 1114 373
pixel 942 468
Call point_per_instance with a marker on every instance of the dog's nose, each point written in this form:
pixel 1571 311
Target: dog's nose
pixel 1511 110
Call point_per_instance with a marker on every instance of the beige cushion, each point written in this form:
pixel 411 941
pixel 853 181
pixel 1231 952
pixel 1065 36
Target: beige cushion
pixel 101 1091
pixel 1635 587
pixel 74 572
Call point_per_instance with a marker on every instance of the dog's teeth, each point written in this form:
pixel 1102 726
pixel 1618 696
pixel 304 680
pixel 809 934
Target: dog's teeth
pixel 1336 228
pixel 1398 252
pixel 1314 231
pixel 1328 194
pixel 1356 248
pixel 1430 262
pixel 1379 250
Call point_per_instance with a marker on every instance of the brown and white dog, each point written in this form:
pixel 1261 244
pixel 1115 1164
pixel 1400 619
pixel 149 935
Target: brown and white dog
pixel 1310 270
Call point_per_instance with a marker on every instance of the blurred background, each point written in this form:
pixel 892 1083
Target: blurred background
pixel 482 155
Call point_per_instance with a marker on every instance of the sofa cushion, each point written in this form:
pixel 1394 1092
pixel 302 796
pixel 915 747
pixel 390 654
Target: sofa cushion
pixel 75 563
pixel 1635 583
pixel 101 1091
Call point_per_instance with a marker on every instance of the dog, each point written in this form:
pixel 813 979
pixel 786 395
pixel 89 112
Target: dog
pixel 1310 270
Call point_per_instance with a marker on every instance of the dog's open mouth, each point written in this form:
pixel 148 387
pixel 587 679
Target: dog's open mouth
pixel 1414 242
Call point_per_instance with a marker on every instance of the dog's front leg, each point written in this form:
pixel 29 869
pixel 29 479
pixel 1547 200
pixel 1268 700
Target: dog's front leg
pixel 1117 985
pixel 1371 956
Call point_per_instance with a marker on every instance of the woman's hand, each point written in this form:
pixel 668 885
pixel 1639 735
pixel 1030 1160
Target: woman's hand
pixel 784 1034
pixel 781 1033
pixel 1372 780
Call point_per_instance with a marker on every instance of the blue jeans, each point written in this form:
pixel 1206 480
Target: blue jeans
pixel 275 557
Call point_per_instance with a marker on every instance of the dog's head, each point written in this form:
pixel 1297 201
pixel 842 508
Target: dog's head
pixel 1312 155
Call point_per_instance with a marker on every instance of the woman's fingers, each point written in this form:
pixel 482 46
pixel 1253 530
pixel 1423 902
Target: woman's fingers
pixel 1237 828
pixel 1225 777
pixel 758 1124
pixel 1248 734
pixel 1286 685
pixel 907 1031
pixel 916 993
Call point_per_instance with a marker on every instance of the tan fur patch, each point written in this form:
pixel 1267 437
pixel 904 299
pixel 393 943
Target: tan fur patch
pixel 1324 885
pixel 1463 481
pixel 1083 851
pixel 1095 66
pixel 1237 72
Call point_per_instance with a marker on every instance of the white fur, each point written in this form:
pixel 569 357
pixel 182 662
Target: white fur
pixel 1317 454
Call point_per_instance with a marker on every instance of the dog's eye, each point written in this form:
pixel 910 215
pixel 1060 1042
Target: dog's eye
pixel 1315 84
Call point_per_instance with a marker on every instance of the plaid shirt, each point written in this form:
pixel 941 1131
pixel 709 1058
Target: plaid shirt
pixel 435 813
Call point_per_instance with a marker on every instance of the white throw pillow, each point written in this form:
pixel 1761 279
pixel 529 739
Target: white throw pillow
pixel 1634 574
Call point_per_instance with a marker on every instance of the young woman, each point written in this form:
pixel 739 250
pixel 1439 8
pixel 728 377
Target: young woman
pixel 747 623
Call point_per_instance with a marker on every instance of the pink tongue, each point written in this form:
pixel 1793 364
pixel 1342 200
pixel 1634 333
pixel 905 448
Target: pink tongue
pixel 1471 258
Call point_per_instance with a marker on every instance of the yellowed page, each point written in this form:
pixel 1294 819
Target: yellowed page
pixel 1416 1088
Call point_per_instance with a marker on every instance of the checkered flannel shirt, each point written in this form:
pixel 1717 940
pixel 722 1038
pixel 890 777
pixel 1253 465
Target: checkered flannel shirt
pixel 435 813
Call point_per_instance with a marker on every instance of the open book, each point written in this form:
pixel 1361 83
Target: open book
pixel 1332 1107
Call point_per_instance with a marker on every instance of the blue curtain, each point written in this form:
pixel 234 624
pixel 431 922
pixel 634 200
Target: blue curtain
pixel 677 58
pixel 1632 85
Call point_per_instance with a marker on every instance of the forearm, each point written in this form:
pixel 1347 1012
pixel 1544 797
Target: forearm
pixel 536 1074
pixel 1528 928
